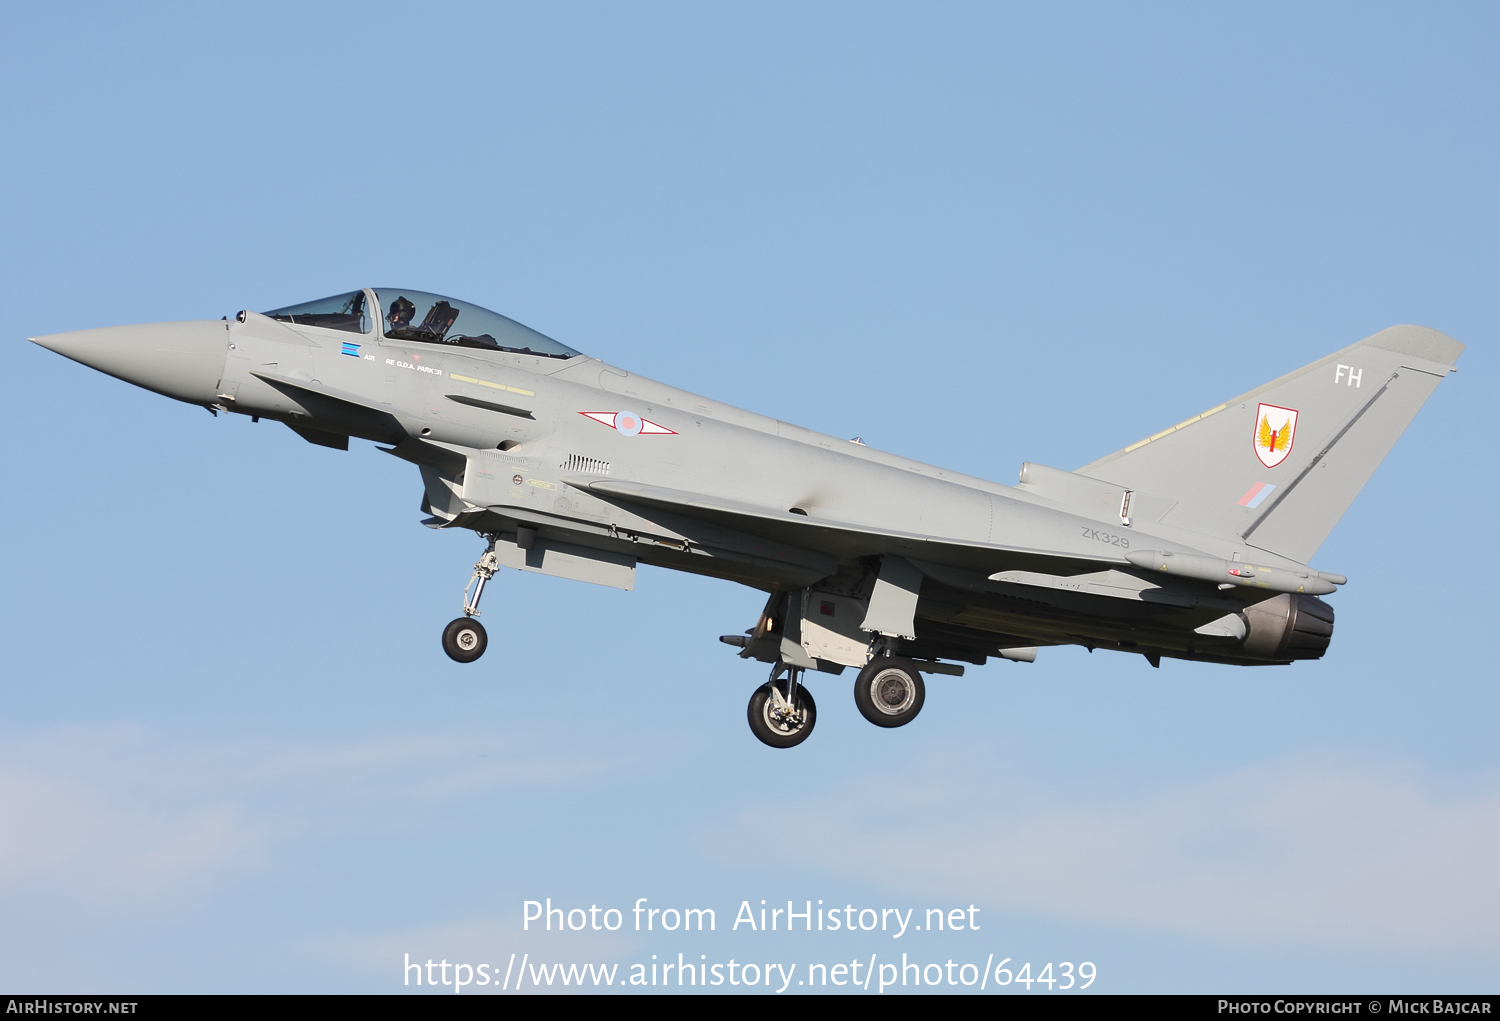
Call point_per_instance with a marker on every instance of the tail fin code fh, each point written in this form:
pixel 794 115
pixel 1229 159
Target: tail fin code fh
pixel 1278 466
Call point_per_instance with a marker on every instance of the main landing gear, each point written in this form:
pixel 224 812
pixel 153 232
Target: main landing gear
pixel 889 691
pixel 782 712
pixel 464 639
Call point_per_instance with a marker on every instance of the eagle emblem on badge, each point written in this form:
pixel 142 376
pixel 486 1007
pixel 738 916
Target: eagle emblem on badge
pixel 1275 429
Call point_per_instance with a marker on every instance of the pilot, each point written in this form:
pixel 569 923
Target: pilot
pixel 400 315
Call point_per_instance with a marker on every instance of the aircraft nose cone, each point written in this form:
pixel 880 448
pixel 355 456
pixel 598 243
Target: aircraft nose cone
pixel 181 360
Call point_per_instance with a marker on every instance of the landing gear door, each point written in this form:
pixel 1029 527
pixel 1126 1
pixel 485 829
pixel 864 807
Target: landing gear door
pixel 831 628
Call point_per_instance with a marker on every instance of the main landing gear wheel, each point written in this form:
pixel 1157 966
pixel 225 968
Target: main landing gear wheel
pixel 777 721
pixel 464 640
pixel 889 691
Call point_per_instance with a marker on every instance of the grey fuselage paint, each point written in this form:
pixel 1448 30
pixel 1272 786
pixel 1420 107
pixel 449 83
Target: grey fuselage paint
pixel 589 457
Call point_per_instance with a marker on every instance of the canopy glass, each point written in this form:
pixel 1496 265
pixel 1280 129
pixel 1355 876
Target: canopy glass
pixel 341 312
pixel 434 319
pixel 425 318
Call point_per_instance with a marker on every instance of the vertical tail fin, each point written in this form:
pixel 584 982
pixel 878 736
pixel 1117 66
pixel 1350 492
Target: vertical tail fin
pixel 1278 466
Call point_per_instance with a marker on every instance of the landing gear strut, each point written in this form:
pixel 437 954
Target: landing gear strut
pixel 464 639
pixel 782 712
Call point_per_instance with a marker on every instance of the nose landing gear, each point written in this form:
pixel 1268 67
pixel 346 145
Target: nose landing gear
pixel 782 712
pixel 464 639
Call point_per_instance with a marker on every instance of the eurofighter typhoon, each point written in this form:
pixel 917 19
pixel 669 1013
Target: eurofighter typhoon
pixel 1193 543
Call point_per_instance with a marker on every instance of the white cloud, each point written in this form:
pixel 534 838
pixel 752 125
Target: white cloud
pixel 63 832
pixel 116 814
pixel 1311 849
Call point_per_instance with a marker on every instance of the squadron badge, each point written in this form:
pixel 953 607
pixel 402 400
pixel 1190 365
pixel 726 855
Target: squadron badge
pixel 1275 428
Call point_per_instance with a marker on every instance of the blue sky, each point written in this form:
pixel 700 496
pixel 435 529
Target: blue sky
pixel 232 755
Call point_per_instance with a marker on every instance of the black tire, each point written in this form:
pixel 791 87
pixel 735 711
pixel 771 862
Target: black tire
pixel 889 691
pixel 464 640
pixel 778 733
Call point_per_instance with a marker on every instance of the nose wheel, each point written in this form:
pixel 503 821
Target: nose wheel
pixel 781 711
pixel 464 639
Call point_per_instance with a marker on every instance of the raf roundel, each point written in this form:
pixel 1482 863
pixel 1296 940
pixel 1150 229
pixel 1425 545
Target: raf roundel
pixel 628 423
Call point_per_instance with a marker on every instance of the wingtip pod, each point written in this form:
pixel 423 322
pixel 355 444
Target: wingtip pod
pixel 1229 572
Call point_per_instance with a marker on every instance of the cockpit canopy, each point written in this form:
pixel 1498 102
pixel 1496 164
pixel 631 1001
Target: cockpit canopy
pixel 340 312
pixel 434 319
pixel 425 318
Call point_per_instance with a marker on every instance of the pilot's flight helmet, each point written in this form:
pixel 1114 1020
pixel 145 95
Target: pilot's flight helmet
pixel 401 313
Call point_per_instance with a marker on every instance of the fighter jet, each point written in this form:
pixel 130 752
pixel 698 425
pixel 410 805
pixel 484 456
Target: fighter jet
pixel 1193 543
